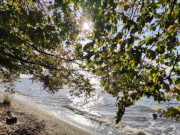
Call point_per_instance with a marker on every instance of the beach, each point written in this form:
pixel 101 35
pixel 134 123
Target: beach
pixel 29 117
pixel 95 115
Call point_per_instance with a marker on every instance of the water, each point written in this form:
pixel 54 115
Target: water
pixel 97 114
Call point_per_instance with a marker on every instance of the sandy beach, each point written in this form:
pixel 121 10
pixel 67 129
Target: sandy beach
pixel 35 121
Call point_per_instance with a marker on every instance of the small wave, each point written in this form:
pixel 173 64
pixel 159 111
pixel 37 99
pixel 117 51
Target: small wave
pixel 152 108
pixel 91 116
pixel 22 94
pixel 107 122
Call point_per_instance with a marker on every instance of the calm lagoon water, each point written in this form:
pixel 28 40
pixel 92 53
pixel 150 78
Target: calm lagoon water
pixel 97 114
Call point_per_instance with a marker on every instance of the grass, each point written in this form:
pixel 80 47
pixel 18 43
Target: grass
pixel 6 100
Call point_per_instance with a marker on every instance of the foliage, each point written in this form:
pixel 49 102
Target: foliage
pixel 135 49
pixel 133 46
pixel 35 41
pixel 171 112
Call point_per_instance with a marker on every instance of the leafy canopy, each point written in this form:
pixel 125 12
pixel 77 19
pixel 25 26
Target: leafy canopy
pixel 36 39
pixel 133 45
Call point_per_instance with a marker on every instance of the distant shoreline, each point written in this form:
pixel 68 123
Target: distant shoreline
pixel 53 125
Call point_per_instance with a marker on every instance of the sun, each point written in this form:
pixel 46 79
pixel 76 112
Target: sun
pixel 86 26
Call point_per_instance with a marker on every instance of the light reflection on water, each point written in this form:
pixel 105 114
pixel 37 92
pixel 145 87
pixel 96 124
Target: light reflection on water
pixel 138 117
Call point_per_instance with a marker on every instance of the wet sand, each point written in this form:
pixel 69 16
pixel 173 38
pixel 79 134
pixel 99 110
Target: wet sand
pixel 38 121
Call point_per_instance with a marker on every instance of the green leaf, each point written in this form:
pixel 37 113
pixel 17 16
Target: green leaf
pixel 74 35
pixel 126 7
pixel 178 98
